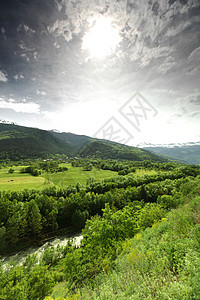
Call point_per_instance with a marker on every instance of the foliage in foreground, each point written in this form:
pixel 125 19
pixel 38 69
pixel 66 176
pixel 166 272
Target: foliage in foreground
pixel 161 262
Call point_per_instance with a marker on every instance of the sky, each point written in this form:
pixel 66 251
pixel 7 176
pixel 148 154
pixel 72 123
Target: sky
pixel 127 71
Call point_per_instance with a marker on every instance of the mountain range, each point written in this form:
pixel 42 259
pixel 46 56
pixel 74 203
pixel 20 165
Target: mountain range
pixel 188 152
pixel 19 142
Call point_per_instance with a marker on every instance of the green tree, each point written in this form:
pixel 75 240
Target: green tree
pixel 35 218
pixel 11 170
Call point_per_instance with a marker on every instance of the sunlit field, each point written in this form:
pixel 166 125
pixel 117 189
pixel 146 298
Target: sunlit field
pixel 77 174
pixel 141 172
pixel 17 181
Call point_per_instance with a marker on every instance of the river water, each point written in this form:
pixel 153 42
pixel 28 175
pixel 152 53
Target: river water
pixel 20 257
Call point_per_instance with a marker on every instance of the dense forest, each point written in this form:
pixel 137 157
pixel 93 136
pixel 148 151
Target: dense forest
pixel 114 215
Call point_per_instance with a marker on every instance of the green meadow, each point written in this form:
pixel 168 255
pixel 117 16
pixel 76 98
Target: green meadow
pixel 17 181
pixel 77 174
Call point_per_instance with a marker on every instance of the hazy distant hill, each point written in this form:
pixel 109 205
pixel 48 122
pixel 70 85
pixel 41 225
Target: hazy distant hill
pixel 189 152
pixel 19 142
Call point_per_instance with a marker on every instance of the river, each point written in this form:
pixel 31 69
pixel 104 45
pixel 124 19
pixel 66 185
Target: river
pixel 19 257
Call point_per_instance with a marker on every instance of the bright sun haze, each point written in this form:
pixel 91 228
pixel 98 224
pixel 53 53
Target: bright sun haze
pixel 102 38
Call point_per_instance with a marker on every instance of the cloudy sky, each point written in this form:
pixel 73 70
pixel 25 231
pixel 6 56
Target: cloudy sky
pixel 128 71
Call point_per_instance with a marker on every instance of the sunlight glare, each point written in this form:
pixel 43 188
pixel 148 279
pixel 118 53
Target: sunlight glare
pixel 102 38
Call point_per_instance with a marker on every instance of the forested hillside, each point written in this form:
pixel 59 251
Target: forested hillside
pixel 76 140
pixel 108 150
pixel 18 142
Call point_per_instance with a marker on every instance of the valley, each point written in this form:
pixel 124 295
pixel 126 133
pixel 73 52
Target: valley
pixel 135 215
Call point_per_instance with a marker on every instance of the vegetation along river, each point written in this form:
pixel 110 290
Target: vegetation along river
pixel 20 257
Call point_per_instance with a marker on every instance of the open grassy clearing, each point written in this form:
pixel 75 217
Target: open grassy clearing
pixel 76 174
pixel 17 181
pixel 141 172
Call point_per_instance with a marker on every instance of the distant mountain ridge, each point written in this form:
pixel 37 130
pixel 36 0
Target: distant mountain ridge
pixel 170 145
pixel 19 142
pixel 188 152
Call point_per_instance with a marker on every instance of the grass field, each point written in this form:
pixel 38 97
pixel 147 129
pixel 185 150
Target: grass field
pixel 76 174
pixel 141 172
pixel 17 181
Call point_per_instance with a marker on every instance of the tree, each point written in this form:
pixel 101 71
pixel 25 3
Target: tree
pixel 11 171
pixel 35 218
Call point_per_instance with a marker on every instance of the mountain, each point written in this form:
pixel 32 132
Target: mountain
pixel 76 140
pixel 100 149
pixel 188 152
pixel 19 142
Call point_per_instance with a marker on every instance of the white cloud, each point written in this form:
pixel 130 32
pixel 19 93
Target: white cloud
pixel 26 28
pixel 20 107
pixel 56 45
pixel 42 93
pixel 3 77
pixel 62 28
pixel 27 52
pixel 25 56
pixel 18 76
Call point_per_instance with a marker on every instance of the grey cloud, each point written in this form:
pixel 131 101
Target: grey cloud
pixel 3 76
pixel 166 66
pixel 194 56
pixel 159 48
pixel 195 99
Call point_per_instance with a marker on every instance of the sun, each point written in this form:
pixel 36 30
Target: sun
pixel 102 38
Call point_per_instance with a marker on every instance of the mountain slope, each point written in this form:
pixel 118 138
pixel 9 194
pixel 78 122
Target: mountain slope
pixel 190 152
pixel 99 149
pixel 76 140
pixel 18 142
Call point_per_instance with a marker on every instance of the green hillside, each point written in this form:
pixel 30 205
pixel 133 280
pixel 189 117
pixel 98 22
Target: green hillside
pixel 107 150
pixel 18 142
pixel 76 140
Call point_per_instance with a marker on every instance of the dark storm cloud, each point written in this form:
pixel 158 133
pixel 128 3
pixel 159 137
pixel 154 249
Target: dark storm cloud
pixel 42 59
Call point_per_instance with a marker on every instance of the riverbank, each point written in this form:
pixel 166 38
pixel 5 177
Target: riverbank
pixel 19 257
pixel 39 241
